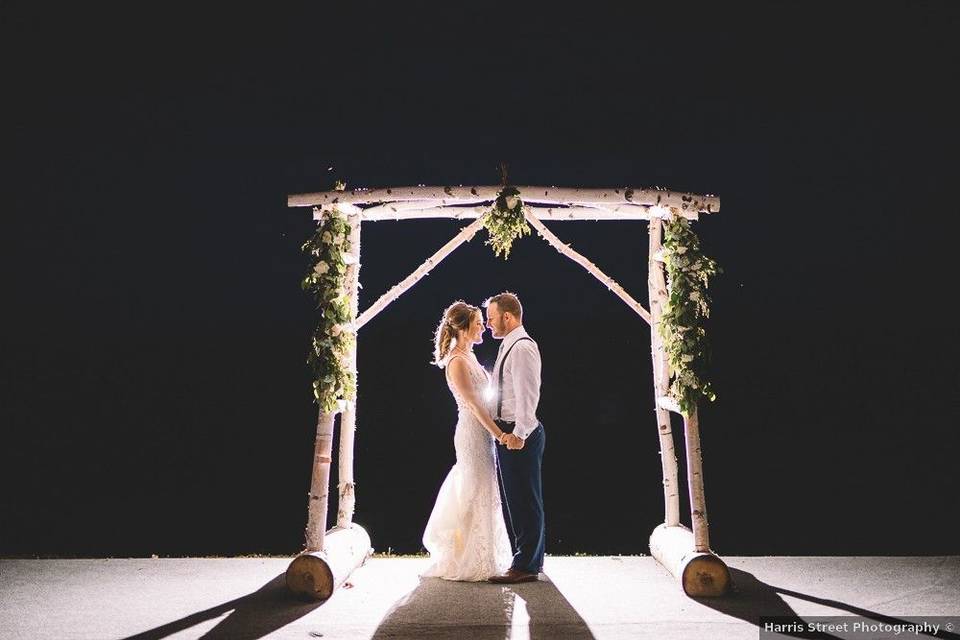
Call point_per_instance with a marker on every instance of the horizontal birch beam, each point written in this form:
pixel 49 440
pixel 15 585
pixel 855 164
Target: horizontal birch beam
pixel 398 289
pixel 410 211
pixel 557 244
pixel 545 195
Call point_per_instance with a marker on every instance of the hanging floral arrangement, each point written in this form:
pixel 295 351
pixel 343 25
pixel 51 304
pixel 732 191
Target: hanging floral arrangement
pixel 505 222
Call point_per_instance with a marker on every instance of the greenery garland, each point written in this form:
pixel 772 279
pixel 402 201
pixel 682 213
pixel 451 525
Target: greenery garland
pixel 505 223
pixel 332 338
pixel 684 339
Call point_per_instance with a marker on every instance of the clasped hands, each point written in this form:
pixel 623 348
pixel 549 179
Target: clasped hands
pixel 512 441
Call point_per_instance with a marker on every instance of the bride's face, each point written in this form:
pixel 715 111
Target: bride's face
pixel 474 334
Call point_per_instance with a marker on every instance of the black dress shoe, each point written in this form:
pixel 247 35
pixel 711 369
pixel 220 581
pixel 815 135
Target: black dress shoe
pixel 513 576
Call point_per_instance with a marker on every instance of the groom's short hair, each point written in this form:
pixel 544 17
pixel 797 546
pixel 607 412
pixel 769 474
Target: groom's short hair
pixel 506 302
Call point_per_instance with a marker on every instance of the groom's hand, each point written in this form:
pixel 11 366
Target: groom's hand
pixel 513 442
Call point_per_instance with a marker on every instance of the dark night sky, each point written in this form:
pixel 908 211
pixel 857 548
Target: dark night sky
pixel 155 397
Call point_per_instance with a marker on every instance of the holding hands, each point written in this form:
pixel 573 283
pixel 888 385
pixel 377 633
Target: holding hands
pixel 511 441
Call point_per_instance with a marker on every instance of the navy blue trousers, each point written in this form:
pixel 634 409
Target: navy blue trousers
pixel 521 493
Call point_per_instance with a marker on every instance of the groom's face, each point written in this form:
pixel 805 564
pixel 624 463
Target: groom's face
pixel 495 321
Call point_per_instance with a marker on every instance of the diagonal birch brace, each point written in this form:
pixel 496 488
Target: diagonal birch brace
pixel 398 289
pixel 586 264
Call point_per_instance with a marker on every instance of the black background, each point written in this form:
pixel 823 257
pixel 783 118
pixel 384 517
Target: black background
pixel 155 397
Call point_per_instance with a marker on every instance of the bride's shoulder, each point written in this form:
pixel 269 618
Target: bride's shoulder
pixel 455 362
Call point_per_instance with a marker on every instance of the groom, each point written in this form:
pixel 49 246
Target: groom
pixel 517 376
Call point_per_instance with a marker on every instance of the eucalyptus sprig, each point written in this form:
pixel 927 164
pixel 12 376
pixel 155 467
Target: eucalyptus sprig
pixel 684 338
pixel 505 222
pixel 332 337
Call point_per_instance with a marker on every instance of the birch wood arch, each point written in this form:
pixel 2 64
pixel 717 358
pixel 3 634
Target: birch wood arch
pixel 330 556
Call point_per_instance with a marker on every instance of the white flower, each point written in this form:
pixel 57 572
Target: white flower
pixel 336 330
pixel 681 250
pixel 326 237
pixel 321 268
pixel 695 296
pixel 349 258
pixel 338 239
pixel 687 357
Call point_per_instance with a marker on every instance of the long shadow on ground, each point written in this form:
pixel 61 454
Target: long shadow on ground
pixel 752 599
pixel 482 611
pixel 253 616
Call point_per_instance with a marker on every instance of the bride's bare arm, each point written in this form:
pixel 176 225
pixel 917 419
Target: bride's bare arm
pixel 460 377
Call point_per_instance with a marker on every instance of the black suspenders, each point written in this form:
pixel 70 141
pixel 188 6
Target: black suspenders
pixel 500 375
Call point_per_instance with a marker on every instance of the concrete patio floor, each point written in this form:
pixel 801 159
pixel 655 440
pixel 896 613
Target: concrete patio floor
pixel 580 597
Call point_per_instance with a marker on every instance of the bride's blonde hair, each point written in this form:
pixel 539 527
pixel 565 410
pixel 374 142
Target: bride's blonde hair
pixel 456 317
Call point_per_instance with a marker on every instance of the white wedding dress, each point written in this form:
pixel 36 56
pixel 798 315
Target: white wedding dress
pixel 465 535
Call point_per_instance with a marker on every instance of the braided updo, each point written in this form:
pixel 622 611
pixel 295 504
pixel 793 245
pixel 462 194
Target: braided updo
pixel 456 317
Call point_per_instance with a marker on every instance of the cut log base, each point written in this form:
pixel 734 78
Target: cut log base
pixel 701 573
pixel 314 575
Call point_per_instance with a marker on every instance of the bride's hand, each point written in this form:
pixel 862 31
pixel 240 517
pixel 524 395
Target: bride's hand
pixel 514 442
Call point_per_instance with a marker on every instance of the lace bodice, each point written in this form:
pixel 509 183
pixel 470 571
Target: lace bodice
pixel 478 377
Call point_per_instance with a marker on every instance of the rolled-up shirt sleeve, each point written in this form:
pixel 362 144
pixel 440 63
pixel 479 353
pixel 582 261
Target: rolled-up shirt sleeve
pixel 525 374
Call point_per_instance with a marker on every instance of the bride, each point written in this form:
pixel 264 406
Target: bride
pixel 466 535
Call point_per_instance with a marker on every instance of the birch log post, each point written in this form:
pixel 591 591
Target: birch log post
pixel 397 290
pixel 657 295
pixel 684 553
pixel 612 285
pixel 348 420
pixel 330 557
pixel 698 502
pixel 319 482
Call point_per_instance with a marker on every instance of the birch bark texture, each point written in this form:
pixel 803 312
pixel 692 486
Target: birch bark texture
pixel 315 575
pixel 319 482
pixel 698 502
pixel 657 296
pixel 348 419
pixel 593 212
pixel 683 203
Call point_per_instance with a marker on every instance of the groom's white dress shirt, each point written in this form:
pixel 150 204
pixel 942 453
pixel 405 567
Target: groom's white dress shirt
pixel 521 382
